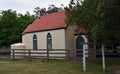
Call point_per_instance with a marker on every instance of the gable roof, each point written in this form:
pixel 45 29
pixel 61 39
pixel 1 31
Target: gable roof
pixel 80 31
pixel 47 22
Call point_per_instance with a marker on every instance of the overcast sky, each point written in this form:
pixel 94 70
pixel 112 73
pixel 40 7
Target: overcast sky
pixel 21 6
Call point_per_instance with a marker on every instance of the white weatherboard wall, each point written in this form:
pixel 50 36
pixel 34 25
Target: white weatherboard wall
pixel 58 39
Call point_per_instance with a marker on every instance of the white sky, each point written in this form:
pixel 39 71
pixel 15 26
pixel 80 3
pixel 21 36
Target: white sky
pixel 21 6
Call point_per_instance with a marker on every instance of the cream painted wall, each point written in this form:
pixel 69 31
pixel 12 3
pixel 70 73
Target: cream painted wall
pixel 58 39
pixel 26 39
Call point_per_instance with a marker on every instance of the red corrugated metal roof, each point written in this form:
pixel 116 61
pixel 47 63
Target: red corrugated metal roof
pixel 47 22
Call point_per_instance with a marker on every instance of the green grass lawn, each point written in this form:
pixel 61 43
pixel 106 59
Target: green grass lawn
pixel 56 67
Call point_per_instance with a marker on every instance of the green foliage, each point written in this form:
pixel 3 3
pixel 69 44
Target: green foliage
pixel 12 26
pixel 99 17
pixel 82 14
pixel 110 22
pixel 112 17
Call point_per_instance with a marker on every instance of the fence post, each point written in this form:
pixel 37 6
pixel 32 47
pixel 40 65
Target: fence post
pixel 84 57
pixel 47 55
pixel 68 54
pixel 75 57
pixel 13 54
pixel 103 58
pixel 29 54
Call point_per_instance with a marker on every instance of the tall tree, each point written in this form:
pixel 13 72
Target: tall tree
pixel 100 18
pixel 8 27
pixel 107 28
pixel 24 21
pixel 39 12
pixel 53 8
pixel 82 13
pixel 12 26
pixel 96 16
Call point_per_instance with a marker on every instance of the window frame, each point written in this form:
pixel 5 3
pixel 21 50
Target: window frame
pixel 49 41
pixel 35 45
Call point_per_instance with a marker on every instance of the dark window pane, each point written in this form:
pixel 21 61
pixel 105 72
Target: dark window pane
pixel 34 42
pixel 49 41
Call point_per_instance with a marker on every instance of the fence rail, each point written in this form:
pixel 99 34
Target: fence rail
pixel 67 54
pixel 47 54
pixel 4 54
pixel 40 54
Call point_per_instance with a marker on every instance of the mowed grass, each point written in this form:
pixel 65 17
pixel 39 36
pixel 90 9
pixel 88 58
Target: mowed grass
pixel 56 67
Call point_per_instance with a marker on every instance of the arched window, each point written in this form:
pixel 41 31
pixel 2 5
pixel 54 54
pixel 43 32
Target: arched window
pixel 79 46
pixel 35 42
pixel 49 41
